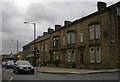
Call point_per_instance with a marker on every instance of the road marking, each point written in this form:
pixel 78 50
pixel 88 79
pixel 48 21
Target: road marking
pixel 11 79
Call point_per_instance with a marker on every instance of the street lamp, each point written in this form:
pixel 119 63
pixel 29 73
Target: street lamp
pixel 17 46
pixel 34 25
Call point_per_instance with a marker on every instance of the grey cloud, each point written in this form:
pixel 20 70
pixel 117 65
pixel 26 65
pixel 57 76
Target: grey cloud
pixel 43 14
pixel 39 12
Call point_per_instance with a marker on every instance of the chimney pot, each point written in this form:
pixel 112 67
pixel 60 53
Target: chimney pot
pixel 50 30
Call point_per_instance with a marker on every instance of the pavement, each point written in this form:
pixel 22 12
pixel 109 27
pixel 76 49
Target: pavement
pixel 58 70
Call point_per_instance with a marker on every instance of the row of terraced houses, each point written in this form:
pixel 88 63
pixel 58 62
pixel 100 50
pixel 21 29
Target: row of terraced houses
pixel 89 42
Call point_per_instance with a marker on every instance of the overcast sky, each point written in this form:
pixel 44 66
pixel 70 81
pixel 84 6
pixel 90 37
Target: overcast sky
pixel 45 14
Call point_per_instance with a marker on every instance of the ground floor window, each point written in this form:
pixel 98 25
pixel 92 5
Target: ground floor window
pixel 97 54
pixel 71 55
pixel 94 54
pixel 55 55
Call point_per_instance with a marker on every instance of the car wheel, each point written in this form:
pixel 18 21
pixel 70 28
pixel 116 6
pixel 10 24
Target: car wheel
pixel 16 71
pixel 32 72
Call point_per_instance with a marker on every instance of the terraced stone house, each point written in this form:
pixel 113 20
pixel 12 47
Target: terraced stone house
pixel 89 42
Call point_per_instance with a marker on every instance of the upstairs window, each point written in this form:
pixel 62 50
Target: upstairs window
pixel 63 40
pixel 94 31
pixel 46 46
pixel 81 35
pixel 91 32
pixel 71 37
pixel 97 30
pixel 118 11
pixel 55 41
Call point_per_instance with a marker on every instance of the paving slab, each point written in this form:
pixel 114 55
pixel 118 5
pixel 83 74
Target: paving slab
pixel 58 70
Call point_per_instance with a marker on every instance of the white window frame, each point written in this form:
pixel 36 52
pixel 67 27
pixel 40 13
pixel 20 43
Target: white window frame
pixel 71 37
pixel 92 55
pixel 91 32
pixel 81 36
pixel 97 30
pixel 98 55
pixel 71 56
pixel 54 42
pixel 68 52
pixel 68 40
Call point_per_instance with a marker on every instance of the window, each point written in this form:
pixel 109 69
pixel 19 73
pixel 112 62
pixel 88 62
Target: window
pixel 46 46
pixel 118 11
pixel 63 40
pixel 97 28
pixel 68 38
pixel 71 37
pixel 94 31
pixel 81 36
pixel 55 41
pixel 97 54
pixel 91 31
pixel 41 48
pixel 92 54
pixel 69 52
pixel 71 55
pixel 55 54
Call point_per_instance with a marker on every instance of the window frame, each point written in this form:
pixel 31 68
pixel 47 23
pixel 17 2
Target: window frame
pixel 71 56
pixel 97 31
pixel 70 37
pixel 81 36
pixel 63 42
pixel 91 32
pixel 92 56
pixel 99 55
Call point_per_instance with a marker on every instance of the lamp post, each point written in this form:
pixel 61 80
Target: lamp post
pixel 34 25
pixel 17 46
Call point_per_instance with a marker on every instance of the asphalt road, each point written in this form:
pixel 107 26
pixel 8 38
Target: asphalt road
pixel 7 74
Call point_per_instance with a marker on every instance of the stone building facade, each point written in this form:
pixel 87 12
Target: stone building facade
pixel 90 42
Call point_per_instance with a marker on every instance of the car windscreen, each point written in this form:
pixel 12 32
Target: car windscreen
pixel 10 62
pixel 23 63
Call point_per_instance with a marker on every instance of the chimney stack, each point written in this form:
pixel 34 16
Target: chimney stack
pixel 45 33
pixel 50 30
pixel 57 27
pixel 101 5
pixel 66 22
pixel 38 36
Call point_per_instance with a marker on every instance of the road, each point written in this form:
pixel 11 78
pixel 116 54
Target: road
pixel 9 75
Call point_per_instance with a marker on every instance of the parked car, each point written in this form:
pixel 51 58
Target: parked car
pixel 23 66
pixel 9 64
pixel 3 64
